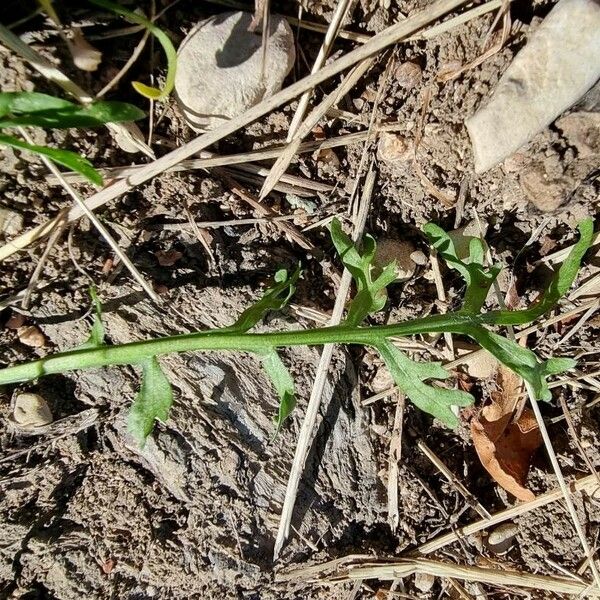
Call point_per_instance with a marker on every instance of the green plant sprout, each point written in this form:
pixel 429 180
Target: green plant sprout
pixel 24 109
pixel 413 378
pixel 145 90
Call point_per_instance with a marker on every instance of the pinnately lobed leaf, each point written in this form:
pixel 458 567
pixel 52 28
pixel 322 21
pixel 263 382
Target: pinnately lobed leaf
pixel 410 377
pixel 65 158
pixel 274 297
pixel 477 276
pixel 153 401
pixel 145 90
pixel 370 295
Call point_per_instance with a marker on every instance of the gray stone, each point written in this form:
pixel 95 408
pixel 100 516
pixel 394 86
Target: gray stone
pixel 219 67
pixel 559 64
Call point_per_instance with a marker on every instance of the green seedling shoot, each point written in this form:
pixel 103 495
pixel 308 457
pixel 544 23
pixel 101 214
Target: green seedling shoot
pixel 24 109
pixel 417 380
pixel 147 91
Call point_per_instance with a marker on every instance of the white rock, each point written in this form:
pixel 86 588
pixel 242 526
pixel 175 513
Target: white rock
pixel 31 411
pixel 219 67
pixel 501 539
pixel 559 64
pixel 424 581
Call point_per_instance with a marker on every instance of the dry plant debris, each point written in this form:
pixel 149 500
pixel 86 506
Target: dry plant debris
pixel 505 442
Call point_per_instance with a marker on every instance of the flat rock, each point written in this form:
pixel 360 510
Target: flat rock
pixel 559 64
pixel 219 67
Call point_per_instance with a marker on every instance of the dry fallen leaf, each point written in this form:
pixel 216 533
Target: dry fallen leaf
pixel 505 446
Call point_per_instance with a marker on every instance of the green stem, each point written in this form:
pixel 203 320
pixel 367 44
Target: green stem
pixel 136 352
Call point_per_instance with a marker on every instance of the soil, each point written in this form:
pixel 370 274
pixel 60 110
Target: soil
pixel 86 513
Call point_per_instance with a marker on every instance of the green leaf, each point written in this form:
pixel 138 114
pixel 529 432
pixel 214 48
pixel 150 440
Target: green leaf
pixel 274 298
pixel 410 377
pixel 559 286
pixel 152 402
pixel 31 108
pixel 283 384
pixel 521 360
pixel 65 158
pixel 370 295
pixel 477 276
pixel 170 52
pixel 96 338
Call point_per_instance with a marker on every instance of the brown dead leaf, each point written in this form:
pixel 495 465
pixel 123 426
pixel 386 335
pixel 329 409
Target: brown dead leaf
pixel 504 445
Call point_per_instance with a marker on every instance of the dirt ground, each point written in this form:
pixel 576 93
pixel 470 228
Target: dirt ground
pixel 84 513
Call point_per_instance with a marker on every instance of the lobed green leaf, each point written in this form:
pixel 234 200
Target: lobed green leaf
pixel 477 276
pixel 66 158
pixel 371 296
pixel 275 297
pixel 410 377
pixel 153 401
pixel 521 360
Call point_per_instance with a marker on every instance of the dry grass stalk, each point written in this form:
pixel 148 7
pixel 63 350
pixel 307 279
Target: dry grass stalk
pixel 500 577
pixel 210 159
pixel 389 36
pixel 284 160
pixel 393 461
pixel 289 230
pixel 339 14
pixel 314 402
pixel 449 475
pixel 96 222
pixel 587 484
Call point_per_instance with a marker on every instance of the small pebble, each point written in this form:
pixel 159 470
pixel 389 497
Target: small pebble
pixel 482 366
pixel 500 539
pixel 389 250
pixel 424 581
pixel 31 411
pixel 394 148
pixel 15 321
pixel 11 222
pixel 409 75
pixel 30 335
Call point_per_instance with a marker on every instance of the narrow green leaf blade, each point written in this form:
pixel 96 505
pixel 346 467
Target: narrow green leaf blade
pixel 410 377
pixel 164 40
pixel 275 297
pixel 66 158
pixel 153 401
pixel 19 103
pixel 283 384
pixel 33 109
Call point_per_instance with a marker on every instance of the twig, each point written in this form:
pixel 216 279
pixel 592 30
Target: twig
pixel 284 160
pixel 97 223
pixel 339 14
pixel 449 475
pixel 314 403
pixel 394 459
